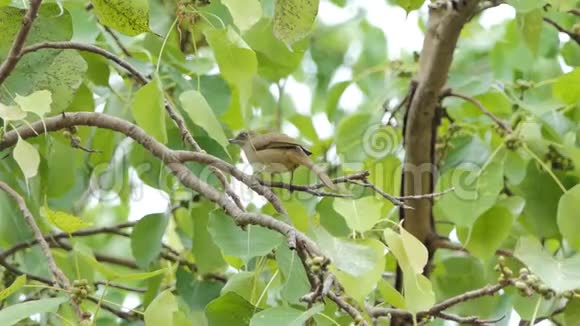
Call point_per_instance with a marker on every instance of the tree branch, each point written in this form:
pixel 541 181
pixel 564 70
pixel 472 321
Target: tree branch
pixel 174 160
pixel 480 106
pixel 438 309
pixel 14 53
pixel 87 48
pixel 574 36
pixel 179 122
pixel 58 276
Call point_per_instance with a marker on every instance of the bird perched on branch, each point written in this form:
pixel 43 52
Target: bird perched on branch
pixel 277 153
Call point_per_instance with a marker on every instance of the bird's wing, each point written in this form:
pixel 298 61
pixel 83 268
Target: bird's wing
pixel 276 140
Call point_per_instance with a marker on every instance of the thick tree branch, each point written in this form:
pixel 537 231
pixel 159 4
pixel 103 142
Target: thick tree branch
pixel 14 53
pixel 441 37
pixel 421 122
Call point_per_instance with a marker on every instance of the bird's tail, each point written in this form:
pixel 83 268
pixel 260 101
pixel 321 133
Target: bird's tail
pixel 321 175
pixel 302 159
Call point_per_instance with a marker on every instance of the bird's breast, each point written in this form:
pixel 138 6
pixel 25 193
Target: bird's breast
pixel 274 160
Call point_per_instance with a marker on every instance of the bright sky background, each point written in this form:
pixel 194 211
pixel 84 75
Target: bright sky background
pixel 402 34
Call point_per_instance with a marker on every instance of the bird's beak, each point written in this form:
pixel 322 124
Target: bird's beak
pixel 233 141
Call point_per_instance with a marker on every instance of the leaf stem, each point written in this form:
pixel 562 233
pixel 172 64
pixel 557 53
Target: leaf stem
pixel 536 309
pixel 545 166
pixel 163 45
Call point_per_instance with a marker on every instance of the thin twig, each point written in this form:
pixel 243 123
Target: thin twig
pixel 397 108
pixel 427 196
pixel 378 190
pixel 574 36
pixel 120 286
pixel 117 41
pixel 312 188
pixel 480 106
pixel 348 308
pixel 473 320
pixel 15 51
pixel 58 276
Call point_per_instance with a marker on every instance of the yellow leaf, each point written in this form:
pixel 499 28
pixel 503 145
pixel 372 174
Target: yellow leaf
pixel 64 221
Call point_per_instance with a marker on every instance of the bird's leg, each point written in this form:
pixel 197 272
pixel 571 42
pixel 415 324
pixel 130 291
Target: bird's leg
pixel 291 179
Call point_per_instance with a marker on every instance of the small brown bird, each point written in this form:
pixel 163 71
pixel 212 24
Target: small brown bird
pixel 277 153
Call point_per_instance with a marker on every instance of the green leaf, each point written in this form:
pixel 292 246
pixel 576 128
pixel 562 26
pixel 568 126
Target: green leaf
pixel 530 25
pixel 161 309
pixel 354 257
pixel 571 53
pixel 541 194
pixel 229 309
pixel 568 216
pixel 349 136
pixel 333 97
pixel 476 191
pixel 293 19
pixel 197 293
pixel 148 110
pixel 11 113
pixel 418 291
pixel 208 256
pixel 490 230
pixel 27 158
pixel 567 87
pixel 139 276
pixel 415 250
pixel 561 275
pixel 523 6
pixel 12 314
pixel 202 115
pixel 409 5
pixel 572 312
pixel 460 274
pixel 64 221
pixel 248 285
pixel 255 241
pixel 244 13
pixel 296 282
pixel 359 286
pixel 15 286
pixel 284 316
pixel 275 59
pixel 330 219
pixel 37 102
pixel 128 17
pixel 391 295
pixel 360 214
pixel 238 65
pixel 146 238
pixel 515 167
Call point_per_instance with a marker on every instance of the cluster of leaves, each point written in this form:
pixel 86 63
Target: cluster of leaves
pixel 218 62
